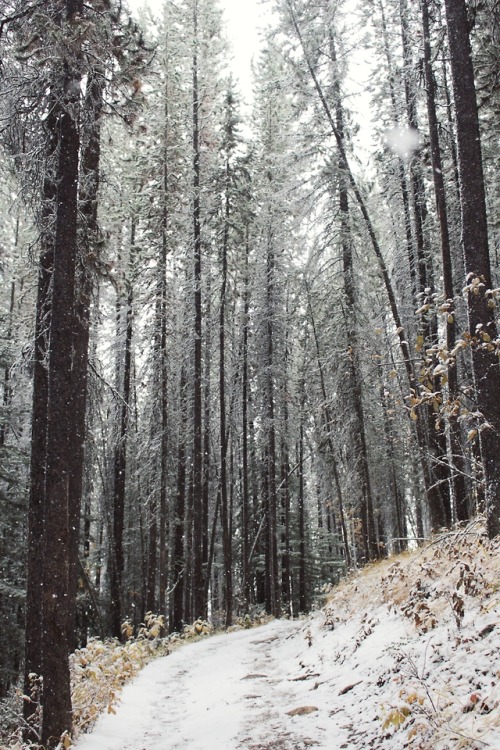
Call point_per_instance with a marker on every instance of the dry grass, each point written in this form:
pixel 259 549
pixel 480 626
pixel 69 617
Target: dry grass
pixel 450 586
pixel 463 554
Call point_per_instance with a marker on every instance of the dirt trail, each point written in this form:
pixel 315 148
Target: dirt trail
pixel 229 691
pixel 405 654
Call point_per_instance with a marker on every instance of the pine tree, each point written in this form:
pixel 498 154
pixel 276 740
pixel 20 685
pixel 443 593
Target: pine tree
pixel 480 305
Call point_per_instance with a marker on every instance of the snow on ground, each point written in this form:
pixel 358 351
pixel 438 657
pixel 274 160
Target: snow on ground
pixel 405 654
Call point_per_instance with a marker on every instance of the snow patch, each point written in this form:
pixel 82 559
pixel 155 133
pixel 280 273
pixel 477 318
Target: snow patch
pixel 371 670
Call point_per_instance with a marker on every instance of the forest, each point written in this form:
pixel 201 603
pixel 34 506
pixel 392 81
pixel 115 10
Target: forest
pixel 239 358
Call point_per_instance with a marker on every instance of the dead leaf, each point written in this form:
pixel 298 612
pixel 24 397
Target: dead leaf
pixel 349 687
pixel 302 710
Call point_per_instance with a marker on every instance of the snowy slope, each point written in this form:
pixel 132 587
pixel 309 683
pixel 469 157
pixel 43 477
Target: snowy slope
pixel 405 654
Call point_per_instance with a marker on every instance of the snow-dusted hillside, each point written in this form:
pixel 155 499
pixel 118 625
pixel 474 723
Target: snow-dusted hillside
pixel 405 654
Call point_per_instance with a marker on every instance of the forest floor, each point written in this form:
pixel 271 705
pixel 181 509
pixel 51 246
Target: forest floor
pixel 405 654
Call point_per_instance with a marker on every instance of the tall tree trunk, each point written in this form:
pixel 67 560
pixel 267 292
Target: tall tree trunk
pixel 117 560
pixel 303 602
pixel 57 715
pixel 88 236
pixel 152 556
pixel 457 478
pixel 245 490
pixel 197 490
pixel 7 389
pixel 434 446
pixel 398 504
pixel 358 432
pixel 223 436
pixel 271 495
pixel 36 511
pixel 207 445
pixel 178 527
pixel 162 312
pixel 423 274
pixel 163 521
pixel 400 330
pixel 480 306
pixel 327 422
pixel 286 576
pixel 405 190
pixel 286 547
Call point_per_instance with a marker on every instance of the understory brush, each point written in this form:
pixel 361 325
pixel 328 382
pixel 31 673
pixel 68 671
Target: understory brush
pixel 439 687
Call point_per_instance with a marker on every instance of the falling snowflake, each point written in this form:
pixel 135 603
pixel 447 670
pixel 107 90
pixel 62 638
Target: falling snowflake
pixel 403 141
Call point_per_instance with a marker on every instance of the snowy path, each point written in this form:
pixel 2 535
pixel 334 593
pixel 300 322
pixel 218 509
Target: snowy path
pixel 222 693
pixel 338 680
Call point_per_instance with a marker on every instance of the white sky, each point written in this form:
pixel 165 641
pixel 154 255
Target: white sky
pixel 244 18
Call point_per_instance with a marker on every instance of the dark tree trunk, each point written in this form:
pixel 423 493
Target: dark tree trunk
pixel 397 320
pixel 303 602
pixel 481 313
pixel 457 478
pixel 286 570
pixel 398 507
pixel 245 493
pixel 178 526
pixel 358 432
pixel 327 422
pixel 163 370
pixel 117 561
pixel 207 448
pixel 7 389
pixel 197 489
pixel 152 552
pixel 57 716
pixel 36 511
pixel 271 495
pixel 223 436
pixel 286 547
pixel 434 441
pixel 89 184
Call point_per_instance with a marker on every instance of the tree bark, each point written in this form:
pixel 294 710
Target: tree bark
pixel 36 508
pixel 177 618
pixel 271 497
pixel 223 437
pixel 197 489
pixel 245 490
pixel 301 511
pixel 88 234
pixel 117 560
pixel 163 368
pixel 480 306
pixel 327 422
pixel 457 479
pixel 358 432
pixel 57 716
